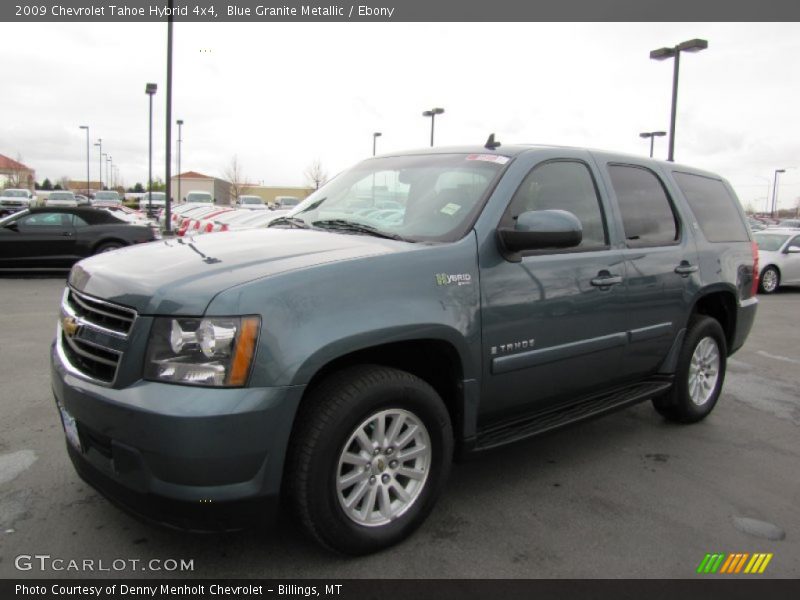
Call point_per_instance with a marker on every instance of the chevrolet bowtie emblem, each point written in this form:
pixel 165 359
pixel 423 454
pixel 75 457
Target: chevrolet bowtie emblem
pixel 69 325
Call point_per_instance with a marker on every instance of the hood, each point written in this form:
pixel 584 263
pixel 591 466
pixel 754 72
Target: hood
pixel 182 275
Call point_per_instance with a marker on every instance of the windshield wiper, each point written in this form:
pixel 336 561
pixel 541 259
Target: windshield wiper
pixel 293 222
pixel 352 226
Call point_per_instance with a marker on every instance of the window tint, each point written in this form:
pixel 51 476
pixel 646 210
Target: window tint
pixel 713 207
pixel 562 185
pixel 44 220
pixel 647 215
pixel 78 222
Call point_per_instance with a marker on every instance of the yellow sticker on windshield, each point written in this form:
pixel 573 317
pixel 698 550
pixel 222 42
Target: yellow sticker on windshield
pixel 450 209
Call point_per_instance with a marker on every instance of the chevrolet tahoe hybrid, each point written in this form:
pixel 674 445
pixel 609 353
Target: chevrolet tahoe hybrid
pixel 418 307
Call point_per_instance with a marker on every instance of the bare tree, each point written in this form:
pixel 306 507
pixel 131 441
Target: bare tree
pixel 315 174
pixel 235 175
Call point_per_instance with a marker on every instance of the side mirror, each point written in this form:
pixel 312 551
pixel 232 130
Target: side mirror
pixel 793 250
pixel 540 229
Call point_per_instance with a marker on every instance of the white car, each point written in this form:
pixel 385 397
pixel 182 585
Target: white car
pixel 107 196
pixel 157 202
pixel 13 200
pixel 61 198
pixel 196 197
pixel 778 257
pixel 251 203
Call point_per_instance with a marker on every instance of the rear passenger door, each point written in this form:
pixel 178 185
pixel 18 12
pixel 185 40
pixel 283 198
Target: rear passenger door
pixel 661 264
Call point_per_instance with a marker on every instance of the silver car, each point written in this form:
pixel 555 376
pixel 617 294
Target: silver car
pixel 779 257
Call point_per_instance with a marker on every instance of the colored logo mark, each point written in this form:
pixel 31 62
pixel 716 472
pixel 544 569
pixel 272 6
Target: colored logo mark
pixel 732 564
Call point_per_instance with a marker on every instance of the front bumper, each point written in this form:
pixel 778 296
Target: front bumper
pixel 176 454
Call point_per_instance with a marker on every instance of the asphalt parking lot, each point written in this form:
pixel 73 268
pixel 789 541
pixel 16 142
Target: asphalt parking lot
pixel 627 496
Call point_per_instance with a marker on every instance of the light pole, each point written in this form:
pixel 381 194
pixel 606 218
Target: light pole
pixel 99 144
pixel 652 135
pixel 86 127
pixel 108 171
pixel 775 193
pixel 180 140
pixel 150 89
pixel 675 53
pixel 375 137
pixel 168 145
pixel 432 114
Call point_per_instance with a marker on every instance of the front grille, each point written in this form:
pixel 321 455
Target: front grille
pixel 93 335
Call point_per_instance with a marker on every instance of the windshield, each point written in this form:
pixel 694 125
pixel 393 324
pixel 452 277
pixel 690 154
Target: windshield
pixel 418 198
pixel 250 200
pixel 199 197
pixel 62 196
pixel 106 196
pixel 14 194
pixel 770 242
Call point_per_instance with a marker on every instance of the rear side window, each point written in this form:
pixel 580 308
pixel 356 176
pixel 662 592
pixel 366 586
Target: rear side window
pixel 647 214
pixel 713 207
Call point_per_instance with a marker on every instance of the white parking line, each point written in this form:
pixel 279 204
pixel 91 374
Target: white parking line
pixel 776 357
pixel 13 464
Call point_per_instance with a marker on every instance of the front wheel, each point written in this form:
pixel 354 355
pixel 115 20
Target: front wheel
pixel 369 458
pixel 700 373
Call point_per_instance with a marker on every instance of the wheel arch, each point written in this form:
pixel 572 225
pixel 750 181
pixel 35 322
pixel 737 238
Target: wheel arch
pixel 437 361
pixel 719 302
pixel 112 240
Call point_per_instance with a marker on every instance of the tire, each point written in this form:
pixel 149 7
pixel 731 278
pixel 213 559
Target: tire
pixel 108 247
pixel 388 498
pixel 699 375
pixel 769 281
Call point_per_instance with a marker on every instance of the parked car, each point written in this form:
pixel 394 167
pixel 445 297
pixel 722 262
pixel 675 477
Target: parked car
pixel 196 197
pixel 82 200
pixel 151 202
pixel 779 257
pixel 191 224
pixel 286 201
pixel 339 362
pixel 107 196
pixel 13 200
pixel 52 238
pixel 790 223
pixel 61 198
pixel 122 212
pixel 216 221
pixel 251 203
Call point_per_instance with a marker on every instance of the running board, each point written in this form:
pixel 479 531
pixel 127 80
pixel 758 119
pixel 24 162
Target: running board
pixel 527 426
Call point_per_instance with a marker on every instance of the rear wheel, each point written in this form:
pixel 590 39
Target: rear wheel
pixel 369 458
pixel 700 373
pixel 770 280
pixel 107 247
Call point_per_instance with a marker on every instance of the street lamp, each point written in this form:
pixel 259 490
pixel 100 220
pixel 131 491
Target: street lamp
pixel 99 144
pixel 675 53
pixel 652 135
pixel 150 89
pixel 432 114
pixel 86 127
pixel 375 137
pixel 180 140
pixel 775 193
pixel 109 163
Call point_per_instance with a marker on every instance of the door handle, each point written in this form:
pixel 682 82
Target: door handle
pixel 606 280
pixel 685 269
pixel 67 234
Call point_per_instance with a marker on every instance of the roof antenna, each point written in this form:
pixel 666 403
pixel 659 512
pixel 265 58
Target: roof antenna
pixel 491 144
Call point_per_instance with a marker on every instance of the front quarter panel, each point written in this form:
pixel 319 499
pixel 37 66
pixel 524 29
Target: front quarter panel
pixel 314 315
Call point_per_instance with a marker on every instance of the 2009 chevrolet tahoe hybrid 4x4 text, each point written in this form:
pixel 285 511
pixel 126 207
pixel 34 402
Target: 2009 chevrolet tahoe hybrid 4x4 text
pixel 419 306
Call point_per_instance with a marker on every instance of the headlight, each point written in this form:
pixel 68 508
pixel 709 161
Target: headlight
pixel 215 351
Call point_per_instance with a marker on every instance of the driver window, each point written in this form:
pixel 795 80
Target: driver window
pixel 44 220
pixel 562 185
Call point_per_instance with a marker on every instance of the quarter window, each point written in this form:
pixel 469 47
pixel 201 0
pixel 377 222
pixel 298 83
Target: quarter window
pixel 647 214
pixel 714 208
pixel 562 185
